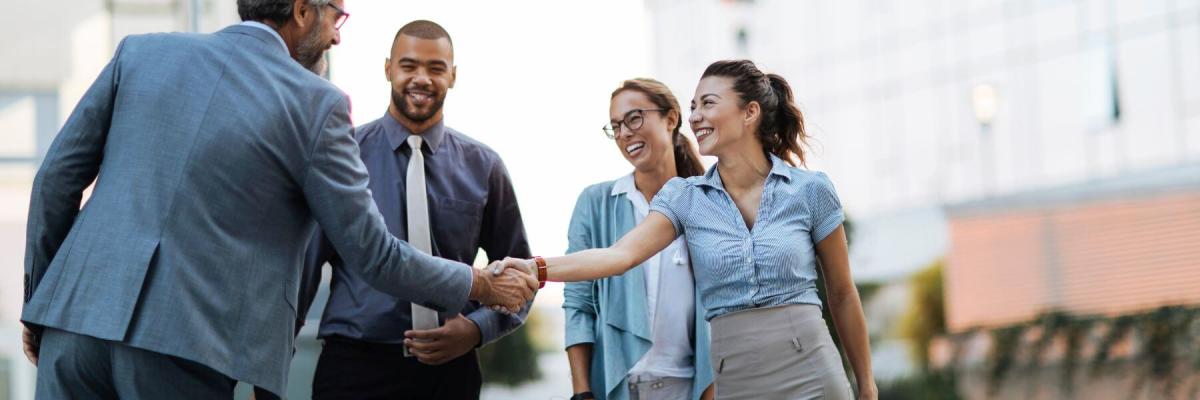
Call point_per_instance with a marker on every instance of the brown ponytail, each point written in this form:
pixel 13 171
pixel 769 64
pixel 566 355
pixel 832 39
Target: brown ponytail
pixel 687 159
pixel 781 128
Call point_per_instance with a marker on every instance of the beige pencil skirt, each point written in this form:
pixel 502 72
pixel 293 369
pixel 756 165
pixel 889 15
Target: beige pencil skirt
pixel 780 352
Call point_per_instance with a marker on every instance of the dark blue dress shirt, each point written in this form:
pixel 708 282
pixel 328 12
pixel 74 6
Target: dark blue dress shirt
pixel 471 206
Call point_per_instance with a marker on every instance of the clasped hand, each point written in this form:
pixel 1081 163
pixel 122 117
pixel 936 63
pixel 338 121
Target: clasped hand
pixel 509 286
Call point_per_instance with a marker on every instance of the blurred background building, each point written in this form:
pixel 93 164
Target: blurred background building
pixel 1024 176
pixel 1047 151
pixel 53 52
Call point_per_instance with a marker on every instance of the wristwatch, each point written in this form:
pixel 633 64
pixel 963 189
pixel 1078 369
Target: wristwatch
pixel 541 273
pixel 583 396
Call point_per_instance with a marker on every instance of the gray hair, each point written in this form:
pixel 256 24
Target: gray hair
pixel 277 11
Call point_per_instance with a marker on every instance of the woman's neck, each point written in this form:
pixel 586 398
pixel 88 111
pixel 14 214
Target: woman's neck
pixel 743 169
pixel 649 182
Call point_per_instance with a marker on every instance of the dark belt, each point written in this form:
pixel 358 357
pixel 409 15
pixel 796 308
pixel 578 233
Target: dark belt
pixel 362 345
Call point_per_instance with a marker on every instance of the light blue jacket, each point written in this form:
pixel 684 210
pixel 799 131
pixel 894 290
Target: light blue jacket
pixel 610 313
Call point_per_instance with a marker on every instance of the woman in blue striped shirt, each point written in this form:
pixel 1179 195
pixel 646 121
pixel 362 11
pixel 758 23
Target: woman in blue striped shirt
pixel 757 229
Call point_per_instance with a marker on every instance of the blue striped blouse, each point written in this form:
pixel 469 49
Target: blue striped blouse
pixel 773 264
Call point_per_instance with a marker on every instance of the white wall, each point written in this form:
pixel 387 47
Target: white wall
pixel 52 53
pixel 886 87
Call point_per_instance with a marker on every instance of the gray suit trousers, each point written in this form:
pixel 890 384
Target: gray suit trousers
pixel 73 366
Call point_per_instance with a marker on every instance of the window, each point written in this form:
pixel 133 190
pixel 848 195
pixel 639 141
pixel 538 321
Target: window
pixel 1101 94
pixel 29 122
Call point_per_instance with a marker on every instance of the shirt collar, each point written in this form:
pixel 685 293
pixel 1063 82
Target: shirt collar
pixel 712 178
pixel 397 134
pixel 625 185
pixel 780 168
pixel 264 27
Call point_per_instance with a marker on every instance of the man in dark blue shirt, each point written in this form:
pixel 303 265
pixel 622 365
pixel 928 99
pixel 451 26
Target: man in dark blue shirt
pixel 470 205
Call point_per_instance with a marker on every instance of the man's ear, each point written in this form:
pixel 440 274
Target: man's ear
pixel 453 76
pixel 300 11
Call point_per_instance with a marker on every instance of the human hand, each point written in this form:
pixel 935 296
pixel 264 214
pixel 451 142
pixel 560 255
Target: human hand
pixel 440 345
pixel 507 291
pixel 514 265
pixel 527 266
pixel 32 343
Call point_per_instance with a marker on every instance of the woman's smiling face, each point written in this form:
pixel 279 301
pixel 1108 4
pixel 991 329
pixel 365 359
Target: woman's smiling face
pixel 717 116
pixel 649 144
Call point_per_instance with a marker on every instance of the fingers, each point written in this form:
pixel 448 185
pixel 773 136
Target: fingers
pixel 422 346
pixel 498 266
pixel 509 309
pixel 428 352
pixel 432 359
pixel 505 310
pixel 530 281
pixel 426 334
pixel 518 264
pixel 31 345
pixel 518 282
pixel 526 289
pixel 510 290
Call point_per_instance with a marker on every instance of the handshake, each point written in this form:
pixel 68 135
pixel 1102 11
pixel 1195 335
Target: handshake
pixel 506 286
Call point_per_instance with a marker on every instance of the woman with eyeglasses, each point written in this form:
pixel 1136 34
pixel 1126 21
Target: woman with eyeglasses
pixel 757 227
pixel 637 335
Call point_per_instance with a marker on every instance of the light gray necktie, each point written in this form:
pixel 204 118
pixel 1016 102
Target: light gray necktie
pixel 418 223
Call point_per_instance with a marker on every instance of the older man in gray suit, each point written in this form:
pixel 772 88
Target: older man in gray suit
pixel 214 158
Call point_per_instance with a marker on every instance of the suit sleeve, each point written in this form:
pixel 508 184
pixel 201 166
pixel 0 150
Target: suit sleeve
pixel 319 252
pixel 503 235
pixel 335 186
pixel 70 165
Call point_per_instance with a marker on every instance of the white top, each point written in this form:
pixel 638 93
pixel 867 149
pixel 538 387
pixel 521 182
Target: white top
pixel 671 322
pixel 267 28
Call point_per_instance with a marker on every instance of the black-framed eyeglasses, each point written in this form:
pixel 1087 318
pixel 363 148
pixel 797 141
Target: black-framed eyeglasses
pixel 341 17
pixel 632 121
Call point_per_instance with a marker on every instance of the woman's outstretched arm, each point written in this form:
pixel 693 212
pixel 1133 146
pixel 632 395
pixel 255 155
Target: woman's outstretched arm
pixel 846 309
pixel 651 236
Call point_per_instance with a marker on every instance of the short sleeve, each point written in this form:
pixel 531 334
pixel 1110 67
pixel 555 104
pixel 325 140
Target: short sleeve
pixel 673 201
pixel 825 207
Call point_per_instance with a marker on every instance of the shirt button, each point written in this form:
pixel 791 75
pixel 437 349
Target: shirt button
pixel 749 259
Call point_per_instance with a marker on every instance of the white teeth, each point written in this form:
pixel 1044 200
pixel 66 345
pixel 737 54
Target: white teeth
pixel 703 132
pixel 634 147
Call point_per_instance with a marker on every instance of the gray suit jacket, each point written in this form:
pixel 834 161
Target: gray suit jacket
pixel 215 156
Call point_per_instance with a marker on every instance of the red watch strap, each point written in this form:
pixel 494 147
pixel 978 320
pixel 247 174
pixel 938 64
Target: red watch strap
pixel 541 271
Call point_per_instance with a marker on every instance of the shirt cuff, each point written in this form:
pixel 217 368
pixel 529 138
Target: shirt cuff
pixel 827 226
pixel 458 294
pixel 492 325
pixel 671 216
pixel 580 328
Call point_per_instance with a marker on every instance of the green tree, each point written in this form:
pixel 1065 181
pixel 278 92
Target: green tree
pixel 512 360
pixel 926 316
